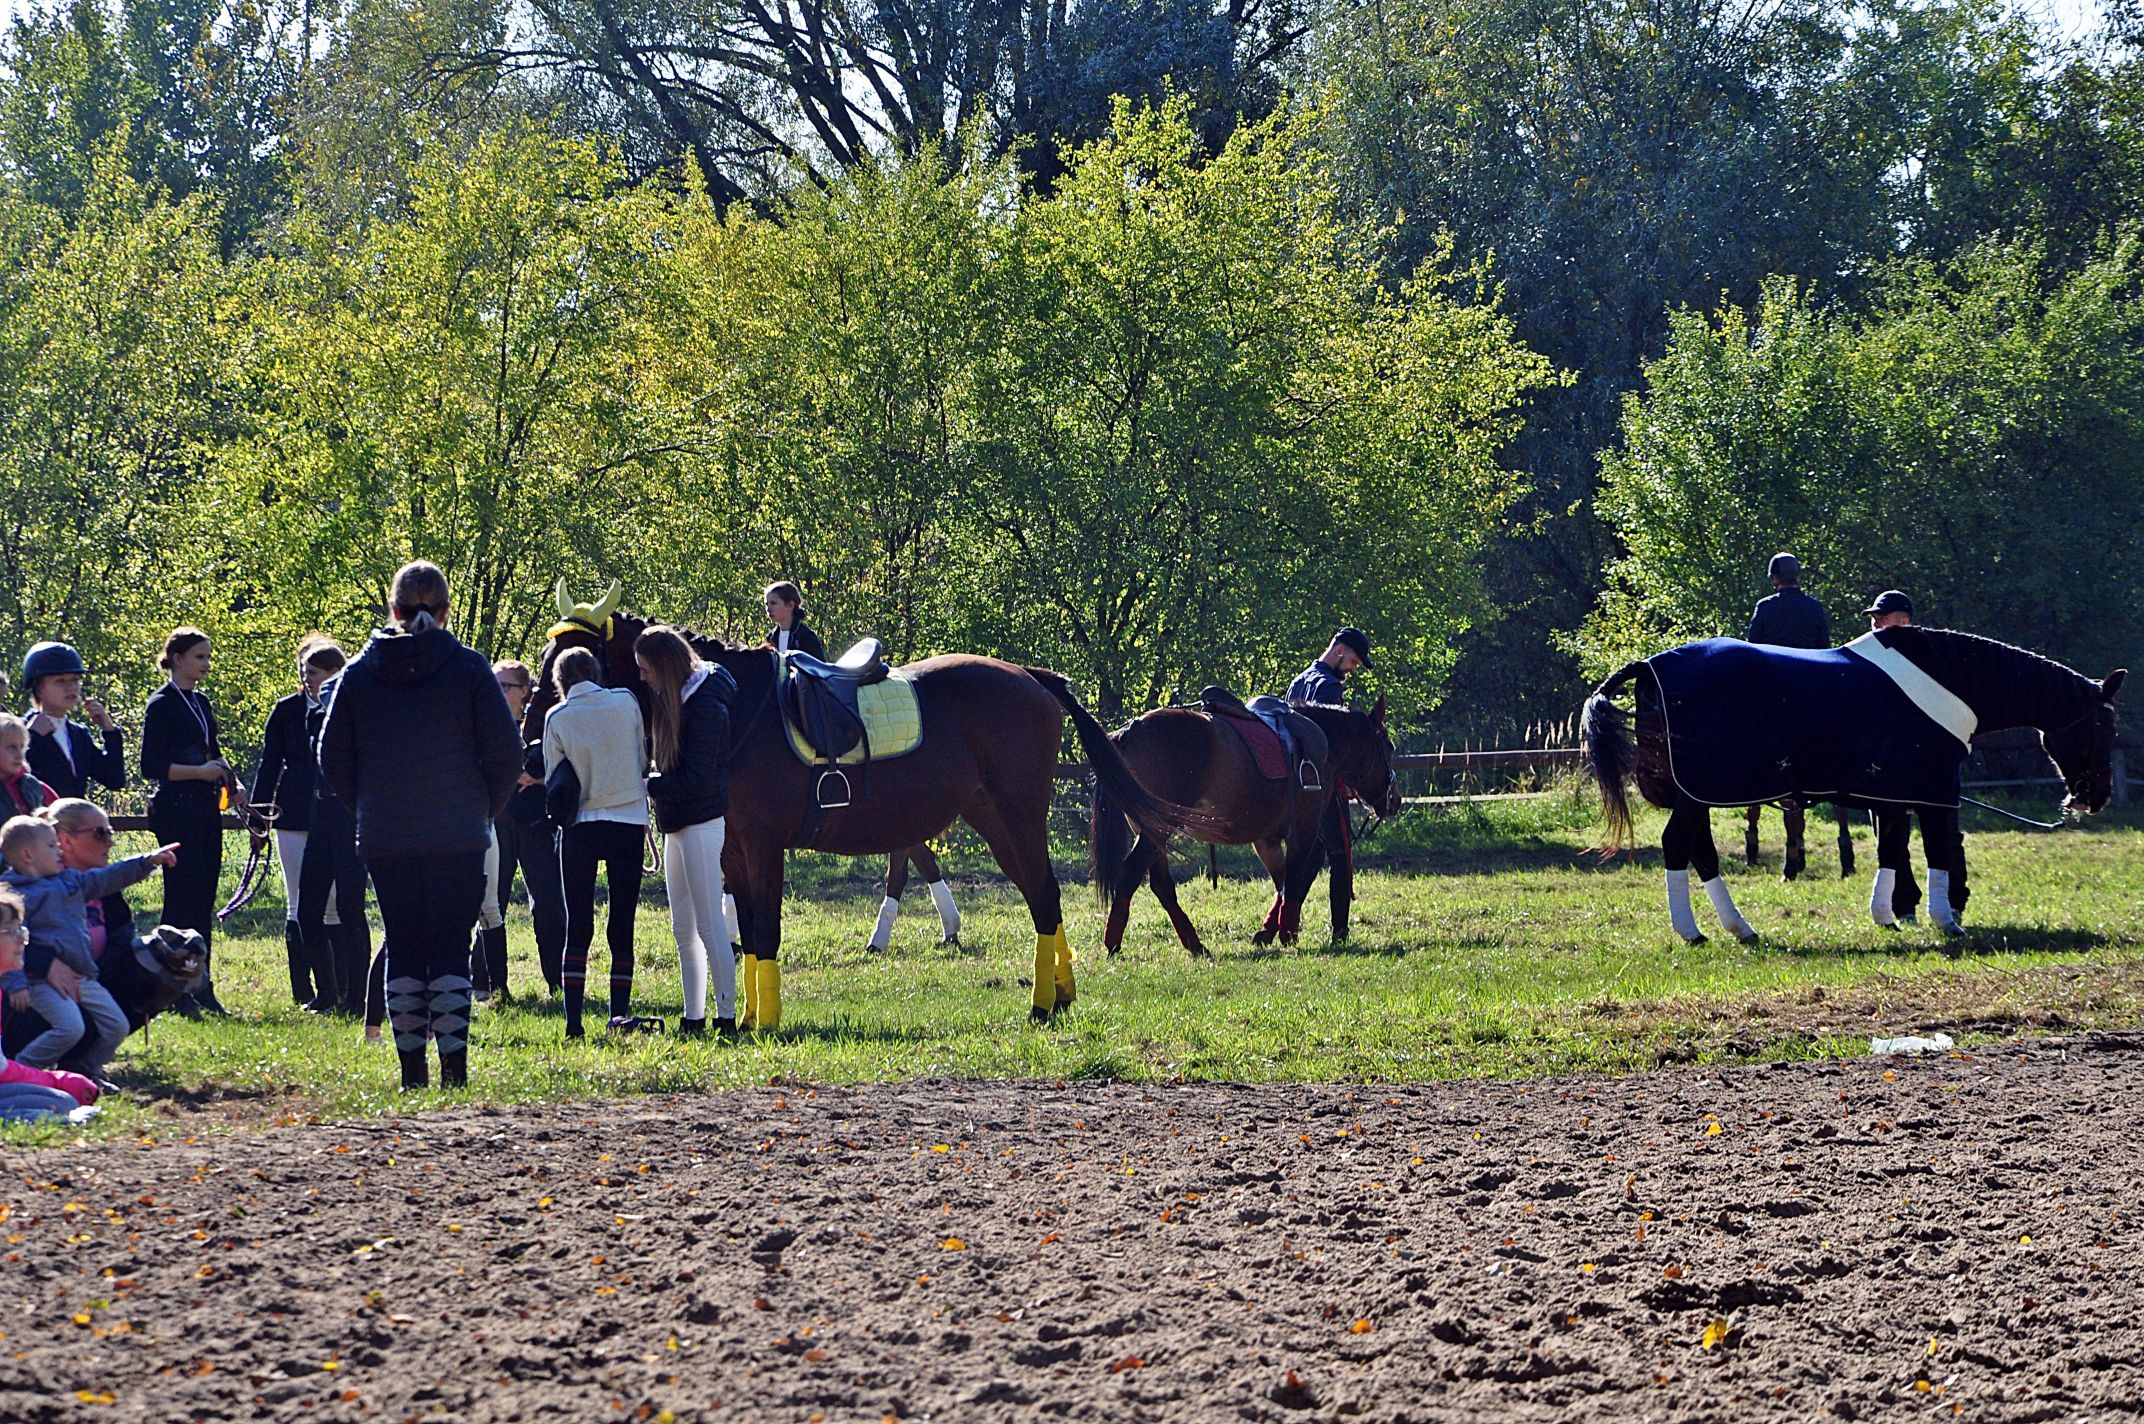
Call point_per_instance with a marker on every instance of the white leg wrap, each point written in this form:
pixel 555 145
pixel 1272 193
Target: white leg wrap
pixel 882 932
pixel 1680 915
pixel 1880 898
pixel 1939 910
pixel 1723 905
pixel 948 912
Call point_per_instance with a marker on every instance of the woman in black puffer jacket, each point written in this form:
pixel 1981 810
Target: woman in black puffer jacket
pixel 420 745
pixel 689 726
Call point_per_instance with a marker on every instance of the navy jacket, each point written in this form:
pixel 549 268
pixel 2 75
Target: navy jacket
pixel 801 640
pixel 1318 683
pixel 698 788
pixel 49 762
pixel 1790 619
pixel 419 744
pixel 285 775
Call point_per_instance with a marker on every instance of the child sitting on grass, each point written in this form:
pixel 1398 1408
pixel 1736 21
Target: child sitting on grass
pixel 29 1094
pixel 58 978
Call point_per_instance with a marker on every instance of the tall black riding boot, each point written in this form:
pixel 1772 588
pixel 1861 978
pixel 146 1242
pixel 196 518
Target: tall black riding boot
pixel 320 956
pixel 301 979
pixel 203 998
pixel 448 1003
pixel 416 1070
pixel 479 967
pixel 408 1017
pixel 353 959
pixel 495 958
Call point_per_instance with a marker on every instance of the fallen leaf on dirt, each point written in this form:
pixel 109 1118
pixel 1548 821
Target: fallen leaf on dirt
pixel 1360 1327
pixel 953 1243
pixel 815 1356
pixel 92 1396
pixel 1673 1273
pixel 1587 1267
pixel 1129 1362
pixel 1713 1131
pixel 1053 1236
pixel 1714 1334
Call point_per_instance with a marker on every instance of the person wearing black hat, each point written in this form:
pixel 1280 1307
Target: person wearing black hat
pixel 1789 618
pixel 1324 680
pixel 1895 897
pixel 63 755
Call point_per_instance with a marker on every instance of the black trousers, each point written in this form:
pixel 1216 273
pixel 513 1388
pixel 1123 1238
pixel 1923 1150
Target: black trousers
pixel 534 848
pixel 615 847
pixel 332 868
pixel 428 906
pixel 182 814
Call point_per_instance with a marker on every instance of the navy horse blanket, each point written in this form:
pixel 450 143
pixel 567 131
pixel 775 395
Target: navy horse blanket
pixel 1747 723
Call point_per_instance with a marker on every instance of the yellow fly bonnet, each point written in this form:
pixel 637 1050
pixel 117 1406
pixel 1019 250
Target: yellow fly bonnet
pixel 591 618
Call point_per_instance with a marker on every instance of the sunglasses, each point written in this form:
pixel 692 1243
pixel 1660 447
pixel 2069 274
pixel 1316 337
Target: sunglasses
pixel 102 833
pixel 505 686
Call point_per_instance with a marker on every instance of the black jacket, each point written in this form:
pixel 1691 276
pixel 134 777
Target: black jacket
pixel 1790 619
pixel 171 735
pixel 107 766
pixel 698 789
pixel 419 744
pixel 527 804
pixel 801 640
pixel 285 775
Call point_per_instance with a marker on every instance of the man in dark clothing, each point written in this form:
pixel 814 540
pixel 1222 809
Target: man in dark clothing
pixel 420 745
pixel 1789 618
pixel 1324 680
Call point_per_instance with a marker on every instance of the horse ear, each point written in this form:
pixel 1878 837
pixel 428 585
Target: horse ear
pixel 565 599
pixel 1377 713
pixel 608 604
pixel 2112 685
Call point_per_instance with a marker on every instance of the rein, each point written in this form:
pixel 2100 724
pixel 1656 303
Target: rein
pixel 258 822
pixel 2021 820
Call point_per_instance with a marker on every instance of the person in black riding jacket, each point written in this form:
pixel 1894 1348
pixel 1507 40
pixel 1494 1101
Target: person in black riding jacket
pixel 790 633
pixel 182 756
pixel 419 744
pixel 1324 682
pixel 284 779
pixel 1895 898
pixel 1789 618
pixel 63 754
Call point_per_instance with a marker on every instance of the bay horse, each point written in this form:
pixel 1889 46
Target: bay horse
pixel 1184 756
pixel 1883 723
pixel 988 755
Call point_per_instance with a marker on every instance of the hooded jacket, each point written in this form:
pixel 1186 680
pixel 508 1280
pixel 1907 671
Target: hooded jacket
pixel 420 745
pixel 56 914
pixel 697 789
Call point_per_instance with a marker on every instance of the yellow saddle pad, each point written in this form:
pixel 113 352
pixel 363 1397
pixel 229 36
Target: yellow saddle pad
pixel 893 723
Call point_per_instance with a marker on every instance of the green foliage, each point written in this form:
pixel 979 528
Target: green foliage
pixel 1973 439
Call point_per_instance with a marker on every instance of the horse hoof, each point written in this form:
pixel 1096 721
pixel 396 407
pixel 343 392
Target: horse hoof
pixel 1693 939
pixel 874 949
pixel 1751 938
pixel 951 941
pixel 1287 940
pixel 1262 938
pixel 1040 1016
pixel 1200 951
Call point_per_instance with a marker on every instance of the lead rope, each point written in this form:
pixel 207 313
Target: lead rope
pixel 259 822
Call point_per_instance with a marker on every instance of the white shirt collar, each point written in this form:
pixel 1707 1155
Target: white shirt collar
pixel 700 673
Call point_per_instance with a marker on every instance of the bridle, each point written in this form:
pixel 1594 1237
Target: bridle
pixel 258 821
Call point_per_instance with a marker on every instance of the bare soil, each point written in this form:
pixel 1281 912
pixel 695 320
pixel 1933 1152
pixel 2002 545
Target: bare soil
pixel 1946 1237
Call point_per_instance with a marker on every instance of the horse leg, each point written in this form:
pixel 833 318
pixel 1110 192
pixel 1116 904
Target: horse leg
pixel 1675 844
pixel 1335 841
pixel 1272 854
pixel 1123 886
pixel 1749 835
pixel 1018 837
pixel 926 861
pixel 739 908
pixel 889 907
pixel 759 915
pixel 1944 845
pixel 1846 839
pixel 1705 860
pixel 1164 887
pixel 1797 858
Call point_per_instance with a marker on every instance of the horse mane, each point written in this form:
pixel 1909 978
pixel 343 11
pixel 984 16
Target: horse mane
pixel 2029 685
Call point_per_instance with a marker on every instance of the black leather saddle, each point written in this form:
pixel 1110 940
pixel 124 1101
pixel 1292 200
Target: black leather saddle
pixel 819 697
pixel 1300 739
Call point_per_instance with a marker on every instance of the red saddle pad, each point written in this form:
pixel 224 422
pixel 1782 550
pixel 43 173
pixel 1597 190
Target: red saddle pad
pixel 1265 748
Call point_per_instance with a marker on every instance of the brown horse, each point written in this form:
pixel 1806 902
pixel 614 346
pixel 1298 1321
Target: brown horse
pixel 991 732
pixel 1186 757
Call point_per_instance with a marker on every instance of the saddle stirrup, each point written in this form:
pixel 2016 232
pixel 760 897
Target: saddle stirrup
pixel 1307 775
pixel 833 782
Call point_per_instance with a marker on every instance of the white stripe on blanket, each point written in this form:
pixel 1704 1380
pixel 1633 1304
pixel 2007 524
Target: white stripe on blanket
pixel 1944 707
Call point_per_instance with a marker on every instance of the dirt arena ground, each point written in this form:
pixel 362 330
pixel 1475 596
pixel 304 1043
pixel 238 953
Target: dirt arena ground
pixel 1946 1237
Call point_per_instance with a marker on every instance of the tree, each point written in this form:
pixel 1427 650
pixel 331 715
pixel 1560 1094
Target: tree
pixel 1974 439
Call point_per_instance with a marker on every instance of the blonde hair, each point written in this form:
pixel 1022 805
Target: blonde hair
pixel 321 651
pixel 71 814
pixel 13 726
pixel 19 832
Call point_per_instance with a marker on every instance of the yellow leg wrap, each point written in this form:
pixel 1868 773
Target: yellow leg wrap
pixel 1065 987
pixel 751 992
pixel 770 993
pixel 1045 974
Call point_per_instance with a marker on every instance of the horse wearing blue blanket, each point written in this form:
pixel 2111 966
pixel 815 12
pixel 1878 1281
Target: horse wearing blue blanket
pixel 1883 722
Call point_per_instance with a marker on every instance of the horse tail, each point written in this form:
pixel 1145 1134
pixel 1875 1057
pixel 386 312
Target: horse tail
pixel 1604 733
pixel 1114 786
pixel 1109 843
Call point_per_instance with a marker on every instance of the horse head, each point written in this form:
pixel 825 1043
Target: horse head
pixel 598 627
pixel 2083 750
pixel 1362 754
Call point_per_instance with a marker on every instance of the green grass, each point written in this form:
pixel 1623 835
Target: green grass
pixel 1487 941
